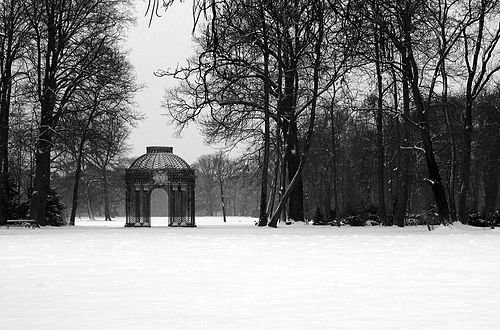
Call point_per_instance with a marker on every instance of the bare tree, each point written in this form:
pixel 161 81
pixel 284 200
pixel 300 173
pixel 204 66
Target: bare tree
pixel 480 40
pixel 109 92
pixel 69 36
pixel 107 145
pixel 13 36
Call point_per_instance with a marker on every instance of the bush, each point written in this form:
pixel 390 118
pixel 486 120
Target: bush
pixel 372 220
pixel 414 220
pixel 318 218
pixel 478 219
pixel 494 218
pixel 54 209
pixel 15 209
pixel 354 220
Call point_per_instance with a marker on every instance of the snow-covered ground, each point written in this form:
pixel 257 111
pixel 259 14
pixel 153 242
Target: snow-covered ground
pixel 236 275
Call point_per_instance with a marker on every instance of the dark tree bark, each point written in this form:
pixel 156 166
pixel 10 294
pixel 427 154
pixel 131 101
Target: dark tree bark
pixel 76 184
pixel 90 207
pixel 380 133
pixel 296 201
pixel 478 50
pixel 265 165
pixel 41 183
pixel 107 213
pixel 432 167
pixel 5 89
pixel 452 145
pixel 491 179
pixel 334 166
pixel 406 157
pixel 286 109
pixel 222 200
pixel 12 35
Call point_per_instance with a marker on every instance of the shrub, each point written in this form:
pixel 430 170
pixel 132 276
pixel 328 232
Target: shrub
pixel 372 220
pixel 318 218
pixel 54 209
pixel 478 219
pixel 414 220
pixel 15 208
pixel 494 218
pixel 354 220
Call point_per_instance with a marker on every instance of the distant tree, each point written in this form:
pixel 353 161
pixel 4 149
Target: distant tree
pixel 205 184
pixel 216 171
pixel 488 147
pixel 109 92
pixel 107 146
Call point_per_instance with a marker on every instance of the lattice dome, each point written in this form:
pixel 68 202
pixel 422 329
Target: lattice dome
pixel 161 159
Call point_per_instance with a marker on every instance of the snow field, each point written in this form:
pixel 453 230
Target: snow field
pixel 236 275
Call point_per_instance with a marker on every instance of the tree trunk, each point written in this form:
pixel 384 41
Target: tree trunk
pixel 107 213
pixel 296 201
pixel 286 109
pixel 491 179
pixel 432 167
pixel 453 148
pixel 310 131
pixel 283 185
pixel 466 162
pixel 76 184
pixel 405 159
pixel 5 93
pixel 41 183
pixel 380 135
pixel 223 204
pixel 90 208
pixel 272 198
pixel 265 165
pixel 334 167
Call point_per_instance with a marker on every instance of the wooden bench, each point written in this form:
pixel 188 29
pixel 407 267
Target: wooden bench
pixel 31 223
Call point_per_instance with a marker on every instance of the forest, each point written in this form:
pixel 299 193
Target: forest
pixel 346 111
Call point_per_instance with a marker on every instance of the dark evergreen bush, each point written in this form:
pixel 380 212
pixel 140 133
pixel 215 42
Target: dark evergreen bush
pixel 479 219
pixel 432 216
pixel 354 220
pixel 15 208
pixel 54 209
pixel 318 218
pixel 372 220
pixel 371 209
pixel 493 218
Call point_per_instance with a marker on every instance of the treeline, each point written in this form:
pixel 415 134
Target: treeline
pixel 225 186
pixel 349 105
pixel 67 107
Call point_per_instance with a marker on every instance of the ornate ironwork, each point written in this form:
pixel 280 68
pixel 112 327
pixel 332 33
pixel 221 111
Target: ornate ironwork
pixel 160 168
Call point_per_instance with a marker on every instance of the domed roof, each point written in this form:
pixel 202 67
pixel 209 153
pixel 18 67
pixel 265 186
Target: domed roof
pixel 161 159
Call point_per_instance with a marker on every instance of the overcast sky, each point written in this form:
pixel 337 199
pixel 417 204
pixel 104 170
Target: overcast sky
pixel 163 45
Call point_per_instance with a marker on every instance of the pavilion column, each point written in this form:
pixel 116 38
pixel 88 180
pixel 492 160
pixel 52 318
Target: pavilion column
pixel 138 200
pixel 171 207
pixel 146 206
pixel 192 204
pixel 127 206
